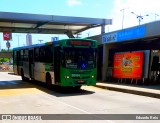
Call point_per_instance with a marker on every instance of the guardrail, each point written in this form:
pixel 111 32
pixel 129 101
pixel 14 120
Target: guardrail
pixel 6 55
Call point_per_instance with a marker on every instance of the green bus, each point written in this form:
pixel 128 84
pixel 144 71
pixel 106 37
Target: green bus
pixel 67 62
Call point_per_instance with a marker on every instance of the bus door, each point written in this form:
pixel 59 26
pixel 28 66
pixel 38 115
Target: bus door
pixel 18 62
pixel 57 64
pixel 31 64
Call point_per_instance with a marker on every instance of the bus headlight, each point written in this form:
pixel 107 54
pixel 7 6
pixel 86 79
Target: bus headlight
pixel 92 76
pixel 66 77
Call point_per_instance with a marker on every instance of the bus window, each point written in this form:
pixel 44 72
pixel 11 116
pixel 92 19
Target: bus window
pixel 36 55
pixel 42 54
pixel 25 55
pixel 80 58
pixel 15 57
pixel 49 54
pixel 21 55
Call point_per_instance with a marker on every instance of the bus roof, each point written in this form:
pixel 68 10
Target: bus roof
pixel 52 42
pixel 28 47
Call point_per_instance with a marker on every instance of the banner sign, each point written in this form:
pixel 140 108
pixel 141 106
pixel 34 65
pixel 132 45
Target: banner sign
pixel 128 65
pixel 133 33
pixel 123 35
pixel 54 38
pixel 109 38
pixel 7 36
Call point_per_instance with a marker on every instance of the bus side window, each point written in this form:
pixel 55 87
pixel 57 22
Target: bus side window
pixel 36 54
pixel 21 55
pixel 49 54
pixel 15 57
pixel 25 55
pixel 42 54
pixel 46 50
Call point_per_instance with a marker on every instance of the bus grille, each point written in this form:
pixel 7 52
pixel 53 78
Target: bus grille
pixel 80 72
pixel 80 77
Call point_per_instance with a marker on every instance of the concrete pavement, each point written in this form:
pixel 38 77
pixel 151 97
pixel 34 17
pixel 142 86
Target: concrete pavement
pixel 144 90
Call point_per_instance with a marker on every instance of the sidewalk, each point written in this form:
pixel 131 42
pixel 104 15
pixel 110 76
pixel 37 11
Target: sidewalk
pixel 144 90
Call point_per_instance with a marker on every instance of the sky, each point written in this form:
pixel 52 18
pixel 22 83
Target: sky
pixel 106 9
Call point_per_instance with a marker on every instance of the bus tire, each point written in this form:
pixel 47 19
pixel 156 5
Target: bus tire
pixel 23 77
pixel 77 87
pixel 48 80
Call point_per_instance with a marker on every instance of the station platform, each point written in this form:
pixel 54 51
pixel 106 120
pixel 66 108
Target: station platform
pixel 144 90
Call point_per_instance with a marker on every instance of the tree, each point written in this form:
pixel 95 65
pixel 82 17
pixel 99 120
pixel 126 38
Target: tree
pixel 4 60
pixel 4 50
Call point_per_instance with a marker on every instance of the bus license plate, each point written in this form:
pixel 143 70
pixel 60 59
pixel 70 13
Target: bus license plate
pixel 80 81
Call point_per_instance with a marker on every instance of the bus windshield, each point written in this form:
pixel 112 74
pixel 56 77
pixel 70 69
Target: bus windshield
pixel 79 58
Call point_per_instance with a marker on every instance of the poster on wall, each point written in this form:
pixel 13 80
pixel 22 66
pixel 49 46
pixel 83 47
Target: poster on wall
pixel 128 65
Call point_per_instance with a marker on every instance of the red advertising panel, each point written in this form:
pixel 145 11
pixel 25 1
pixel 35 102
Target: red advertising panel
pixel 128 65
pixel 7 36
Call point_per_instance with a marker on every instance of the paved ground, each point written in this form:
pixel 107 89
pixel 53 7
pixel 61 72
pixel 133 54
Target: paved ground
pixel 19 97
pixel 144 90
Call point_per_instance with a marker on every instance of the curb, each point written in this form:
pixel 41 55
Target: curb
pixel 142 93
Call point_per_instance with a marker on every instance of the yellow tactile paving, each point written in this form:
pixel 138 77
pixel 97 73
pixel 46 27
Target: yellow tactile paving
pixel 91 88
pixel 12 92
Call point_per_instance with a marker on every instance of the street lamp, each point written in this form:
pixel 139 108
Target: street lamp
pixel 139 17
pixel 40 41
pixel 122 10
pixel 155 15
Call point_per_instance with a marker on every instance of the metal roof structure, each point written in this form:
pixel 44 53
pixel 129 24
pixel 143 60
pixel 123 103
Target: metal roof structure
pixel 47 24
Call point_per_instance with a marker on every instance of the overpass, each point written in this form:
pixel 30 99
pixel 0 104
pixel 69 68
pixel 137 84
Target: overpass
pixel 48 24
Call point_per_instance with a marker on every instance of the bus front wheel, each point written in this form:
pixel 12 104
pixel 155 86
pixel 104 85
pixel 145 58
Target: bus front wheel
pixel 77 87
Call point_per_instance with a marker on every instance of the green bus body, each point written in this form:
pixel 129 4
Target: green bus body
pixel 69 62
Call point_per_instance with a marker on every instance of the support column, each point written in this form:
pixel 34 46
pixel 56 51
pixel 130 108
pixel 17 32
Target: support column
pixel 102 29
pixel 105 56
pixel 69 34
pixel 105 61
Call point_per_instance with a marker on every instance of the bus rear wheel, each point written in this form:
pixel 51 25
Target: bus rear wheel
pixel 48 81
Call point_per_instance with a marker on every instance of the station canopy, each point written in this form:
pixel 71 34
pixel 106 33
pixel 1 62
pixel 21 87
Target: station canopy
pixel 47 24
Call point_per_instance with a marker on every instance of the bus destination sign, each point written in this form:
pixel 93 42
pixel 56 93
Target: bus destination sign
pixel 79 43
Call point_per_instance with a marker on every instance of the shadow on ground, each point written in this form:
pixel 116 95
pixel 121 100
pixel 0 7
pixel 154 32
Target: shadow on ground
pixel 53 90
